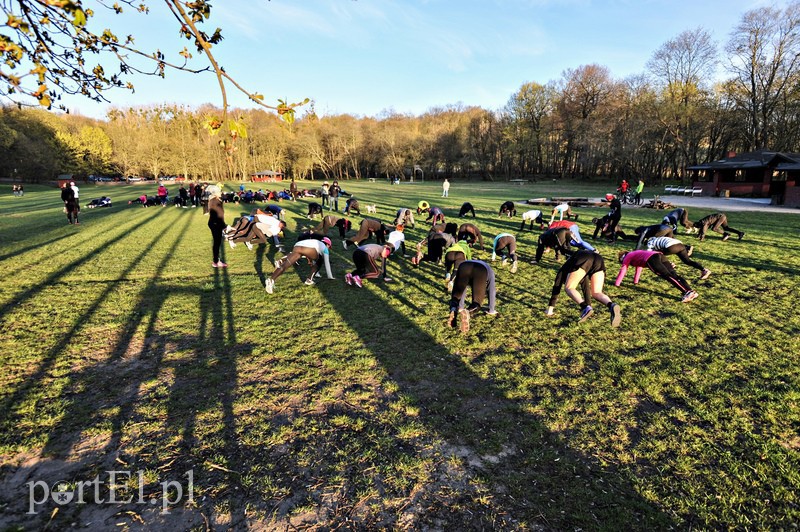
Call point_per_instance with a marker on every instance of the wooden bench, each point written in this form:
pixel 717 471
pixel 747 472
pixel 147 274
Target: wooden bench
pixel 520 182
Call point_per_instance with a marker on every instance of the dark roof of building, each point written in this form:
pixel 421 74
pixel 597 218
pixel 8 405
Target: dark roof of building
pixel 754 159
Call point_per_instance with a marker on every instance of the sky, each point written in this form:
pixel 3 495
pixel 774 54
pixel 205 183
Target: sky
pixel 370 57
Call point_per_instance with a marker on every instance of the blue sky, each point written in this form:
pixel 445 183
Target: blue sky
pixel 363 57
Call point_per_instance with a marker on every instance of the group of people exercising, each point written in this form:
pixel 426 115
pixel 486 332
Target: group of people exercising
pixel 581 276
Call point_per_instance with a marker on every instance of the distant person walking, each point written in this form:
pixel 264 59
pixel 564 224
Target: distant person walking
pixel 71 205
pixel 445 188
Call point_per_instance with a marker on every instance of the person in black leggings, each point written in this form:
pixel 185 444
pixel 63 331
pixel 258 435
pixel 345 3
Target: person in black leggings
pixel 437 241
pixel 558 239
pixel 507 208
pixel 343 224
pixel 658 264
pixel 216 223
pixel 718 223
pixel 588 269
pixel 366 260
pixel 673 246
pixel 651 231
pixel 465 208
pixel 480 277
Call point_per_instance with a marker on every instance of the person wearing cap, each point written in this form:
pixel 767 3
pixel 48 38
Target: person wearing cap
pixel 366 260
pixel 216 223
pixel 480 276
pixel 316 252
pixel 587 269
pixel 71 206
pixel 658 264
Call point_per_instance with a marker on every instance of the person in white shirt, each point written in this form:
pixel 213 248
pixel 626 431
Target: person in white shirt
pixel 445 188
pixel 397 239
pixel 317 252
pixel 672 246
pixel 532 216
pixel 562 210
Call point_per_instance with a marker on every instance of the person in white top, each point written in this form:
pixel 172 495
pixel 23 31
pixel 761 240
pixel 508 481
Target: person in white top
pixel 445 188
pixel 75 189
pixel 562 210
pixel 317 252
pixel 532 216
pixel 397 239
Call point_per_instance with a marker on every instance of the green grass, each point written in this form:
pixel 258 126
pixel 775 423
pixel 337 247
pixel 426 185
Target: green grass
pixel 122 349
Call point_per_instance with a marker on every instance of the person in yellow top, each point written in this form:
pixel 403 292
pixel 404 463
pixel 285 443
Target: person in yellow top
pixel 639 188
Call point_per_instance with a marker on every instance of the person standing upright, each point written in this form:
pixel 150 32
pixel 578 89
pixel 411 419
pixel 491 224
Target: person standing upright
pixel 639 189
pixel 334 191
pixel 445 188
pixel 216 223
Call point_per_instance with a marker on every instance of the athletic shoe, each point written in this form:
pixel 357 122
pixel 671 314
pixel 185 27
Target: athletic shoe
pixel 447 277
pixel 464 325
pixel 688 296
pixel 278 263
pixel 701 238
pixel 219 264
pixel 741 235
pixel 616 315
pixel 318 275
pixel 585 313
pixel 357 281
pixel 725 236
pixel 450 285
pixel 269 284
pixel 348 278
pixel 706 274
pixel 309 282
pixel 388 280
pixel 689 251
pixel 451 320
pixel 514 267
pixel 344 243
pixel 504 261
pixel 232 243
pixel 473 308
pixel 249 246
pixel 534 262
pixel 280 249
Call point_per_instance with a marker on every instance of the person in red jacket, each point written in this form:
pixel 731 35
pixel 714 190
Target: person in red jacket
pixel 659 264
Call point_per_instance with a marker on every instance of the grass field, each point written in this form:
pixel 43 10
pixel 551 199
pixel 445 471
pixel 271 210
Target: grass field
pixel 121 349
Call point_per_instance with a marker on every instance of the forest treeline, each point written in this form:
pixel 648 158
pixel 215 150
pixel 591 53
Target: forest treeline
pixel 586 124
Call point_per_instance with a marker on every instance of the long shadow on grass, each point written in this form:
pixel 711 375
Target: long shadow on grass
pixel 538 478
pixel 48 359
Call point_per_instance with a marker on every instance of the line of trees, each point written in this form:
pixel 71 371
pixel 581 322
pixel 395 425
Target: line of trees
pixel 586 124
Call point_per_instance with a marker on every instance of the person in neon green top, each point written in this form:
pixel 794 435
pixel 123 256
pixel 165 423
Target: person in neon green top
pixel 639 188
pixel 455 255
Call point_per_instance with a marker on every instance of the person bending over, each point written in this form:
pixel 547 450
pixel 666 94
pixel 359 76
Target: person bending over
pixel 718 223
pixel 465 208
pixel 351 205
pixel 342 224
pixel 679 216
pixel 368 228
pixel 470 233
pixel 587 269
pixel 556 239
pixel 397 239
pixel 314 209
pixel 480 276
pixel 435 215
pixel 405 217
pixel 508 208
pixel 505 245
pixel 651 231
pixel 453 256
pixel 316 252
pixel 532 216
pixel 437 241
pixel 673 246
pixel 658 264
pixel 366 259
pixel 562 210
pixel 577 240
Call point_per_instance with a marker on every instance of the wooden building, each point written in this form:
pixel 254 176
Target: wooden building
pixel 758 174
